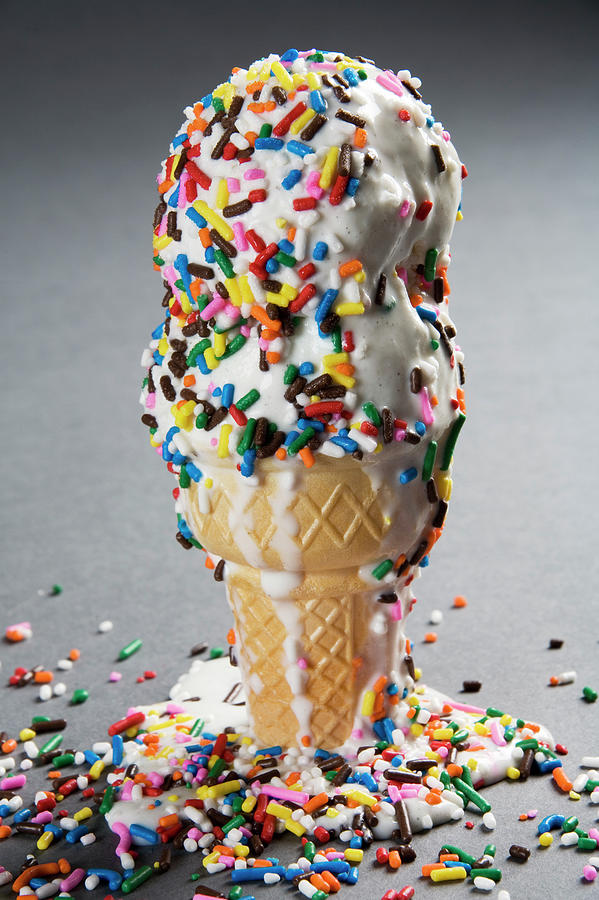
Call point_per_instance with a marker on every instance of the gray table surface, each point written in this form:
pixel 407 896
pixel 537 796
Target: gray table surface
pixel 92 94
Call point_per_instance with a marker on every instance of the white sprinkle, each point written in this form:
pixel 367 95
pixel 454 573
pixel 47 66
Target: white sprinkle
pixel 91 882
pixel 483 884
pixel 590 762
pixel 503 895
pixel 190 845
pixel 105 626
pixel 45 692
pixel 26 764
pixel 436 617
pixel 64 664
pixel 489 821
pixel 87 839
pixel 59 688
pixel 271 878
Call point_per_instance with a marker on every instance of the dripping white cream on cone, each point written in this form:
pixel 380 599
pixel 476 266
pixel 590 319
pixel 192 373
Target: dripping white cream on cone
pixel 300 542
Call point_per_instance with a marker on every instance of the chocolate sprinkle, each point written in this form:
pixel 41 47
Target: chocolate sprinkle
pixel 387 598
pixel 344 163
pixel 314 125
pixel 412 90
pixel 167 388
pixel 416 380
pixel 279 94
pixel 271 448
pixel 387 425
pixel 345 116
pixel 218 570
pixel 471 687
pixel 237 209
pixel 199 271
pixel 227 248
pixel 556 644
pixel 380 289
pixel 296 387
pixel 431 491
pixel 159 212
pixel 441 513
pixel 439 161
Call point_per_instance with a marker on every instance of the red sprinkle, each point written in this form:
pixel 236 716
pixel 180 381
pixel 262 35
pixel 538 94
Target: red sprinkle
pixel 382 855
pixel 423 210
pixel 259 196
pixel 324 406
pixel 336 195
pixel 229 151
pixel 255 240
pixel 238 415
pixel 348 341
pixel 282 126
pixel 266 253
pixel 128 722
pixel 302 203
pixel 404 115
pixel 306 271
pixel 302 298
pixel 196 173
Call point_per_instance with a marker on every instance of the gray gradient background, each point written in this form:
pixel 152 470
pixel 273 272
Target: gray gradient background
pixel 92 93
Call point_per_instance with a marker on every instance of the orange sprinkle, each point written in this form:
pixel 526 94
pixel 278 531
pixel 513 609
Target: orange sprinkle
pixel 259 313
pixel 379 684
pixel 434 400
pixel 432 798
pixel 205 238
pixel 282 454
pixel 164 186
pixel 5 832
pixel 188 380
pixel 231 638
pixel 198 108
pixel 532 726
pixel 177 776
pixel 168 821
pixel 196 288
pixel 150 738
pixel 430 637
pixel 562 780
pixel 416 299
pixel 393 699
pixel 181 403
pixel 333 883
pixel 9 745
pixel 379 707
pixel 198 124
pixel 292 778
pixel 250 137
pixel 350 267
pixel 523 817
pixel 307 457
pixel 360 137
pixel 291 234
pixel 459 602
pixel 394 859
pixel 209 564
pixel 430 867
pixel 375 807
pixel 43 677
pixel 316 802
pixel 262 864
pixel 272 357
pixel 453 770
pixel 345 368
pixel 270 105
pixel 448 857
pixel 352 803
pixel 306 740
pixel 319 882
pixel 254 86
pixel 408 645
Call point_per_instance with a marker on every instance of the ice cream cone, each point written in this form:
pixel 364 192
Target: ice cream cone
pixel 300 547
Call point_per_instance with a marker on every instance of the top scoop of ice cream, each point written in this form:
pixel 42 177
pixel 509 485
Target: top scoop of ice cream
pixel 302 237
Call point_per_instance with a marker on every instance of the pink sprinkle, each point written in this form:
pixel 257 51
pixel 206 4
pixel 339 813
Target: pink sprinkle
pixel 155 779
pixel 589 872
pixel 262 344
pixel 532 813
pixel 397 612
pixel 278 793
pixel 446 135
pixel 302 663
pixel 394 794
pixel 213 442
pixel 182 199
pixel 497 734
pixel 245 330
pixel 402 273
pixel 72 880
pixel 327 66
pixel 213 307
pixel 14 782
pixel 357 733
pixel 427 410
pixel 404 209
pixel 312 185
pixel 195 834
pixel 162 227
pixel 120 828
pixel 171 275
pixel 174 708
pixel 233 312
pixel 387 83
pixel 594 833
pixel 443 752
pixel 42 818
pixel 116 676
pixel 227 861
pixel 151 401
pixel 399 434
pixel 251 174
pixel 182 738
pixel 233 185
pixel 240 240
pixel 466 708
pixel 335 854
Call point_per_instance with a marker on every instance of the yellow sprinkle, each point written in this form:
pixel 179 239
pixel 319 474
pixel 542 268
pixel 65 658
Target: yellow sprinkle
pixel 282 75
pixel 185 304
pixel 228 94
pixel 301 122
pixel 211 858
pixel 234 291
pixel 161 725
pixel 166 752
pixel 27 734
pixel 97 769
pixel 222 194
pixel 457 873
pixel 574 796
pixel 416 728
pixel 472 764
pixel 368 703
pixel 289 292
pixel 159 243
pixel 83 813
pixel 333 359
pixel 331 813
pixel 433 771
pixel 209 482
pixel 45 840
pixel 314 81
pixel 246 291
pixel 215 220
pixel 172 798
pixel 163 346
pixel 278 810
pixel 360 276
pixel 505 719
pixel 225 787
pixel 183 717
pixel 545 839
pixel 298 79
pixel 346 380
pixel 220 343
pixel 513 773
pixel 265 72
pixel 295 827
pixel 241 850
pixel 354 855
pixel 329 168
pixel 359 796
pixel 210 357
pixel 222 450
pixel 459 216
pixel 482 729
pixel 349 309
pixel 280 223
pixel 219 90
pixel 249 803
pixel 412 700
pixel 277 299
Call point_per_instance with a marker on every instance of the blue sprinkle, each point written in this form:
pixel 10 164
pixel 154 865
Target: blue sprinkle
pixel 321 754
pixel 453 863
pixel 209 255
pixel 255 874
pixel 290 55
pixel 424 562
pixel 270 751
pixel 317 102
pixel 356 842
pixel 247 466
pixel 196 218
pixel 408 475
pixel 4 809
pixel 56 831
pixel 350 877
pixel 351 76
pixel 419 428
pixel 206 100
pixel 114 879
pixel 352 186
pixel 169 436
pixel 22 815
pixel 313 423
pixel 178 458
pixel 216 392
pixel 185 529
pixel 269 143
pixel 181 267
pixel 202 364
pixel 548 765
pixel 77 833
pixel 368 781
pixel 179 139
pixel 290 438
pixel 343 432
pixel 286 246
pixel 429 315
pixel 157 357
pixel 430 121
pixel 320 250
pixel 271 265
pixel 336 866
pixel 392 689
pixel 173 200
pixel 36 883
pixel 141 832
pixel 552 821
pixel 117 750
pixel 323 308
pixel 157 333
pixel 228 393
pixel 297 147
pixel 291 179
pixel 90 756
pixel 348 445
pixel 306 368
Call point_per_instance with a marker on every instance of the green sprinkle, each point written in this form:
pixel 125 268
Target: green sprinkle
pixel 195 543
pixel 494 713
pixel 247 437
pixel 236 892
pixel 196 351
pixel 290 374
pixel 158 260
pixel 509 734
pixel 320 895
pixel 569 824
pixel 362 75
pixel 435 344
pixel 309 850
pixel 202 420
pixel 589 694
pixel 265 131
pixel 233 346
pixel 461 854
pixel 216 652
pixel 65 759
pixel 467 775
pixel 430 263
pixel 285 259
pixel 55 590
pixel 37 719
pixel 52 743
pixel 429 460
pixel 452 440
pixel 381 745
pixel 459 736
pixel 445 779
pixel 130 648
pixel 203 301
pixel 472 795
pixel 224 263
pixel 520 723
pixel 107 799
pixel 493 874
pixel 330 775
pixel 336 338
pixel 372 413
pixel 179 284
pixel 237 804
pixel 218 104
pixel 528 744
pixel 235 822
pixel 217 768
pixel 490 850
pixel 316 57
pixel 197 728
pixel 300 441
pixel 79 696
pixel 184 479
pixel 587 843
pixel 246 401
pixel 383 567
pixel 136 879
